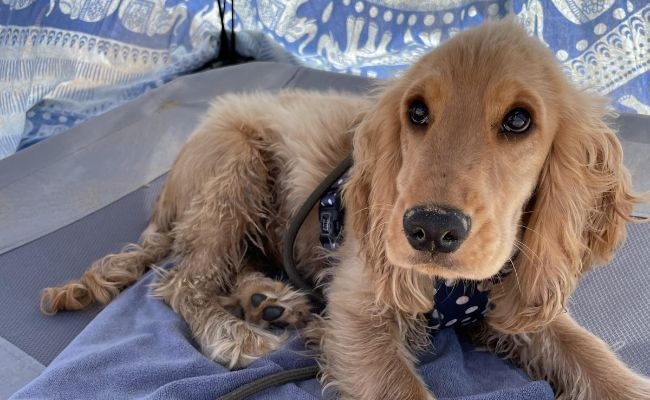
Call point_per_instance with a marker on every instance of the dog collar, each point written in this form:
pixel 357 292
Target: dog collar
pixel 455 303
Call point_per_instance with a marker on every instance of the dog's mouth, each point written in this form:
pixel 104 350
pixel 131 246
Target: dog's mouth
pixel 431 260
pixel 446 266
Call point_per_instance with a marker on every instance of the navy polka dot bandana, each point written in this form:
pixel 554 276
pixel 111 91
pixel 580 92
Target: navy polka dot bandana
pixel 458 303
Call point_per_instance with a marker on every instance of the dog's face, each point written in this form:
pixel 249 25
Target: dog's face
pixel 481 154
pixel 475 127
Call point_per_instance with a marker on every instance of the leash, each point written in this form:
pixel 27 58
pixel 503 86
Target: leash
pixel 297 221
pixel 265 382
pixel 289 265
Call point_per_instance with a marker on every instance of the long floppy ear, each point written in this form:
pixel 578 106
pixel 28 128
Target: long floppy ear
pixel 369 197
pixel 577 219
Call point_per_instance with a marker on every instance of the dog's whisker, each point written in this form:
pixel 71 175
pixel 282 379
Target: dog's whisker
pixel 527 251
pixel 528 228
pixel 514 269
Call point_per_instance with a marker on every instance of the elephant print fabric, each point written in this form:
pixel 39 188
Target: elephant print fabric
pixel 88 56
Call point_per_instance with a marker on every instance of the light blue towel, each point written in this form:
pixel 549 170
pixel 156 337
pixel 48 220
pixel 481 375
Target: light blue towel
pixel 137 348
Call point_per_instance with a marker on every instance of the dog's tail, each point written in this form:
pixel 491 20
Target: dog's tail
pixel 109 275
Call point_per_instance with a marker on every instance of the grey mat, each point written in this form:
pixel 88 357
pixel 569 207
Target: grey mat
pixel 634 133
pixel 56 258
pixel 613 302
pixel 16 368
pixel 56 182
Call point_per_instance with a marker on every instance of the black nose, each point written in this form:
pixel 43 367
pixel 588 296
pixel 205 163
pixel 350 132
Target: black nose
pixel 436 229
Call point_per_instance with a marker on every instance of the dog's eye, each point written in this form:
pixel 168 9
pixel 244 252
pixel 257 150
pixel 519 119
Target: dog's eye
pixel 418 113
pixel 516 121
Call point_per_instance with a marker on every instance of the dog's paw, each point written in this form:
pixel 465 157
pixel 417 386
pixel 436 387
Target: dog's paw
pixel 277 310
pixel 267 303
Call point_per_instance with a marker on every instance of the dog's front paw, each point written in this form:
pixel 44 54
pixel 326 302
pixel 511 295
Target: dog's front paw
pixel 269 310
pixel 267 303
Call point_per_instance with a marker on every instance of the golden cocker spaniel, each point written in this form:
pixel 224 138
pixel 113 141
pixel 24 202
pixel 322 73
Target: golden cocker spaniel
pixel 482 155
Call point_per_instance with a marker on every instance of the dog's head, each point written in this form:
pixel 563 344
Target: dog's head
pixel 483 154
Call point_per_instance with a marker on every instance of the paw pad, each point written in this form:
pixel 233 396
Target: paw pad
pixel 269 313
pixel 272 313
pixel 257 299
pixel 270 305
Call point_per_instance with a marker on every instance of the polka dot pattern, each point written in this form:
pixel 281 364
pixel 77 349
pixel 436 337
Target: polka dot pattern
pixel 458 303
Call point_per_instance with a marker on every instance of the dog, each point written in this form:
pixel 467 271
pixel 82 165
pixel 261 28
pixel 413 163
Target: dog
pixel 480 156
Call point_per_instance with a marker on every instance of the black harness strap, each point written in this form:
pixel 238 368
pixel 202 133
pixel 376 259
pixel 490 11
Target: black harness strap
pixel 296 223
pixel 331 214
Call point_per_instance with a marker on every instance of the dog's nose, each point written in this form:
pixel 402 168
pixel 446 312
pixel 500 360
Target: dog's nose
pixel 436 229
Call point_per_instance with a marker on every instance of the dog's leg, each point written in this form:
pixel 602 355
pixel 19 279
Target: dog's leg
pixel 222 336
pixel 365 350
pixel 578 365
pixel 109 275
pixel 229 213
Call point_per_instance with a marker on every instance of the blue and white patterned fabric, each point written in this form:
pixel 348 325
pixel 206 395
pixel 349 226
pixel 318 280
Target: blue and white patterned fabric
pixel 63 61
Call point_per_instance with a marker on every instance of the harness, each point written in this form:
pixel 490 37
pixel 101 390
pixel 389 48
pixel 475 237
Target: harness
pixel 331 214
pixel 455 303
